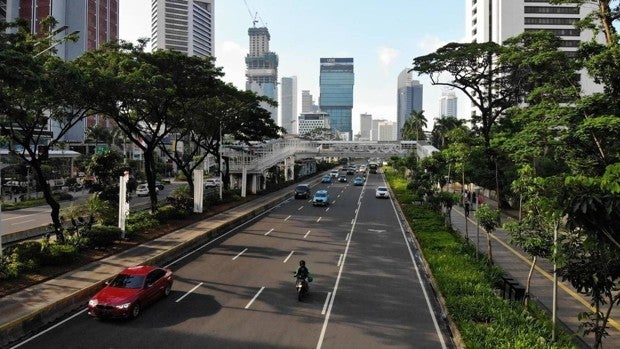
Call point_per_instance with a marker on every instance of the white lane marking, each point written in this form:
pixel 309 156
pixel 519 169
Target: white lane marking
pixel 377 230
pixel 255 296
pixel 222 236
pixel 240 253
pixel 188 292
pixel 347 238
pixel 289 256
pixel 286 219
pixel 319 219
pixel 300 207
pixel 340 260
pixel 49 329
pixel 338 196
pixel 333 202
pixel 331 300
pixel 353 220
pixel 26 215
pixel 267 233
pixel 24 222
pixel 357 209
pixel 417 270
pixel 307 234
pixel 326 303
pixel 327 209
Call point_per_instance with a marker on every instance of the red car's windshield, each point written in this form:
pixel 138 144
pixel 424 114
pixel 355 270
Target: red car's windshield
pixel 127 281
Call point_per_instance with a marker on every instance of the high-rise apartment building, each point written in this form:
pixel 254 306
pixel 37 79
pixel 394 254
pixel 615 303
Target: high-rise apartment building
pixel 409 98
pixel 365 126
pixel 336 95
pixel 374 131
pixel 95 20
pixel 386 131
pixel 498 20
pixel 288 104
pixel 186 26
pixel 262 68
pixel 309 122
pixel 448 101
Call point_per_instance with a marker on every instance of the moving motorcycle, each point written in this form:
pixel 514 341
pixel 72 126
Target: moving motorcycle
pixel 302 287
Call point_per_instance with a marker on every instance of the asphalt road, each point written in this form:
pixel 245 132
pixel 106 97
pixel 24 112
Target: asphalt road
pixel 39 216
pixel 239 292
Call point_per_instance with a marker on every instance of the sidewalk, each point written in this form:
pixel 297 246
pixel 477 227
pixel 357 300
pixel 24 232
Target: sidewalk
pixel 31 309
pixel 516 264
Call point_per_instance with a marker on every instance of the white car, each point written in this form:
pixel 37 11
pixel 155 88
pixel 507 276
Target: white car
pixel 212 182
pixel 382 192
pixel 143 190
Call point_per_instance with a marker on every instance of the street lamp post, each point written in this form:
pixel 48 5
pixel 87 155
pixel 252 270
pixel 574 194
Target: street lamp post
pixel 1 200
pixel 221 165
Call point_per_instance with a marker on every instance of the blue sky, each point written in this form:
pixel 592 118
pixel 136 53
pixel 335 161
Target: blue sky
pixel 383 37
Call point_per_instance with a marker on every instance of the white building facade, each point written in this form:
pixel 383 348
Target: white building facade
pixel 186 26
pixel 510 18
pixel 288 104
pixel 448 101
pixel 365 126
pixel 309 122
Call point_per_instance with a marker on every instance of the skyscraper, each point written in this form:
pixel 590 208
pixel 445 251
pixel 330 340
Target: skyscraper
pixel 448 102
pixel 512 17
pixel 2 10
pixel 262 68
pixel 365 126
pixel 336 96
pixel 288 104
pixel 306 101
pixel 408 99
pixel 183 25
pixel 96 21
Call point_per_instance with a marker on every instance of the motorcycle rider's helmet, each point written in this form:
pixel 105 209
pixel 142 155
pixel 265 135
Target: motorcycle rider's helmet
pixel 302 263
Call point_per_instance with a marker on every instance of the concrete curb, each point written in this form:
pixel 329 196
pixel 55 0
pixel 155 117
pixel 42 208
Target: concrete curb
pixel 28 324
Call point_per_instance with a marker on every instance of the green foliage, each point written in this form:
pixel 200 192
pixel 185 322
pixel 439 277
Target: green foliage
pixel 140 221
pixel 487 217
pixel 103 235
pixel 467 285
pixel 169 212
pixel 59 254
pixel 26 252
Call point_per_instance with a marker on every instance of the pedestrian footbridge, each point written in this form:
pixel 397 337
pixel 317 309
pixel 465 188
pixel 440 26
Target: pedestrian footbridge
pixel 256 159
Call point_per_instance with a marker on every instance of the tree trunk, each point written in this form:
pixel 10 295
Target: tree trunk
pixel 150 177
pixel 529 280
pixel 47 193
pixel 489 249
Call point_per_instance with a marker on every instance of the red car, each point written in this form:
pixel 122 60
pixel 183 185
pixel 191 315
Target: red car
pixel 130 291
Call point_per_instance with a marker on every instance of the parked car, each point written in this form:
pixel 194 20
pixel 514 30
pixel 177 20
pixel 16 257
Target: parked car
pixel 326 179
pixel 321 198
pixel 212 182
pixel 382 192
pixel 302 191
pixel 358 181
pixel 143 189
pixel 130 291
pixel 342 178
pixel 159 185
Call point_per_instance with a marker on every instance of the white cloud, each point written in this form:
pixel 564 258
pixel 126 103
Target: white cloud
pixel 231 57
pixel 387 56
pixel 430 44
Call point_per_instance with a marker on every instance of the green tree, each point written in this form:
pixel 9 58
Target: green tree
pixel 488 218
pixel 413 129
pixel 33 94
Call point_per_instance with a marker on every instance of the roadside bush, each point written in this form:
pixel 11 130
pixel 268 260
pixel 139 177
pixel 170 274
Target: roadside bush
pixel 59 254
pixel 169 212
pixel 28 252
pixel 103 235
pixel 140 221
pixel 8 269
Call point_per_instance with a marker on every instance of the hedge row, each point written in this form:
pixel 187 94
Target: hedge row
pixel 483 318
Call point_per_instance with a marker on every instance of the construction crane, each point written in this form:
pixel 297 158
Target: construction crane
pixel 254 20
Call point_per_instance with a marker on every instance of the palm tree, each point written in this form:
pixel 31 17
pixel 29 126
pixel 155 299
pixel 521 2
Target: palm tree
pixel 415 124
pixel 441 128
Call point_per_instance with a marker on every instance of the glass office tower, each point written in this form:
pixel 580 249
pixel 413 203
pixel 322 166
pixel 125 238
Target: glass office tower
pixel 336 95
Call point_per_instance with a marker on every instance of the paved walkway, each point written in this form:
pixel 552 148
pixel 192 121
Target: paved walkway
pixel 26 311
pixel 516 263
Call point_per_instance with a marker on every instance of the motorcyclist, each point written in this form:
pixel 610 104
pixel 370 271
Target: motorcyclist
pixel 302 272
